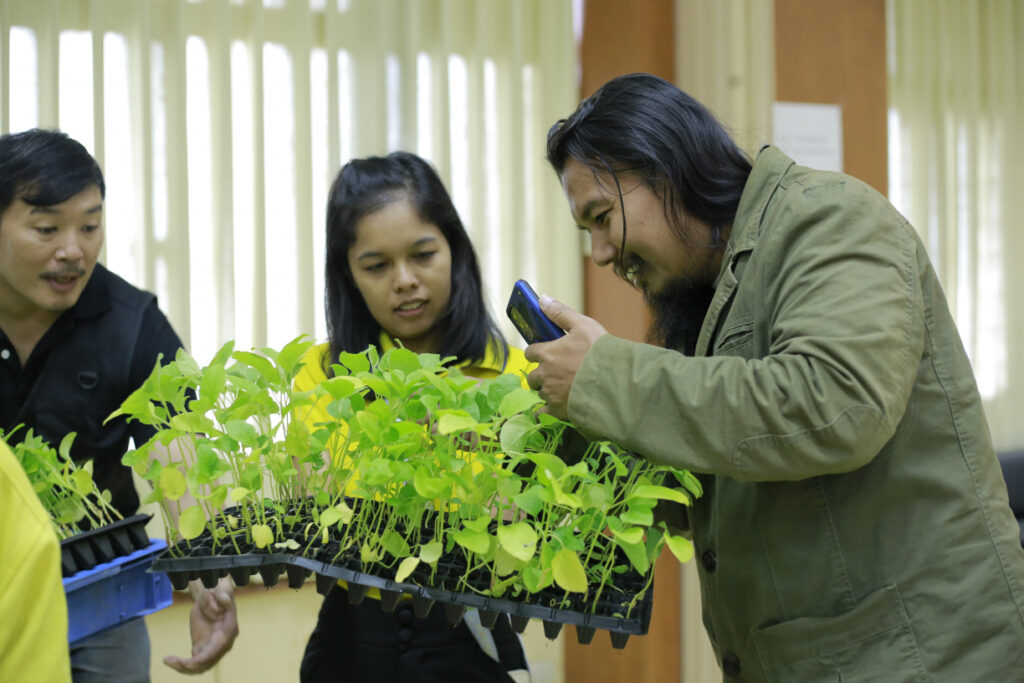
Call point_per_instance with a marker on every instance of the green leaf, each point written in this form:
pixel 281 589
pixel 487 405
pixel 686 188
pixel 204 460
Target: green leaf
pixel 353 363
pixel 191 422
pixel 568 571
pixel 431 552
pixel 65 446
pixel 681 547
pixel 262 535
pixel 532 499
pixel 505 564
pixel 222 355
pixel 519 540
pixel 238 494
pixel 172 483
pixel 428 486
pixel 213 382
pixel 289 357
pixel 403 359
pixel 136 406
pixel 261 364
pixel 191 522
pixel 631 534
pixel 637 554
pixel 393 542
pixel 406 567
pixel 661 493
pixel 479 523
pixel 474 541
pixel 536 579
pixel 689 482
pixel 518 401
pixel 639 517
pixel 241 431
pixel 455 422
pixel 515 433
pixel 340 387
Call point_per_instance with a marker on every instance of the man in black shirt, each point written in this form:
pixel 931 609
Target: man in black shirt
pixel 75 341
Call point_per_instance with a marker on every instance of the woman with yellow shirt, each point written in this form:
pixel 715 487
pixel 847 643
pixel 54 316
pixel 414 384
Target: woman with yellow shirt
pixel 401 268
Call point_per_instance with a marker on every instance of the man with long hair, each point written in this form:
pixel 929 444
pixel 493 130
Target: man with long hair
pixel 804 364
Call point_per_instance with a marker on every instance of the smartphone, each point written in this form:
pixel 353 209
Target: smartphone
pixel 524 311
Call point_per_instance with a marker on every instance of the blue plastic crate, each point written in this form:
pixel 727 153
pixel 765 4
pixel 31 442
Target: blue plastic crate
pixel 116 591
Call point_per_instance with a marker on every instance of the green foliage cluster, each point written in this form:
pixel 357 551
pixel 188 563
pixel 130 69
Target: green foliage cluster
pixel 66 490
pixel 471 460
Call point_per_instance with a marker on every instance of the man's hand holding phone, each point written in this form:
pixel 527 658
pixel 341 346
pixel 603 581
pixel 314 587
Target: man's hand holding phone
pixel 560 359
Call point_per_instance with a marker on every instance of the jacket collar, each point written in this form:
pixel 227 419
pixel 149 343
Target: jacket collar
pixel 770 166
pixel 765 177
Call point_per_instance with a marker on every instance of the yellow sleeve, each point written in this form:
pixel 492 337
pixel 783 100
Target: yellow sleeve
pixel 34 627
pixel 312 374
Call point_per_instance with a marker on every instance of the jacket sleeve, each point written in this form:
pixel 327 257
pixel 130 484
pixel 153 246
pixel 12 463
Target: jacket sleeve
pixel 839 312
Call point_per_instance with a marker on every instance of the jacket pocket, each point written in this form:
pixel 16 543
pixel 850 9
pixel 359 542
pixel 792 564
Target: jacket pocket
pixel 736 340
pixel 872 642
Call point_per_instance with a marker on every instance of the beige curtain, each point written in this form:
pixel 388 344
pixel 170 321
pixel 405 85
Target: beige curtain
pixel 956 97
pixel 220 124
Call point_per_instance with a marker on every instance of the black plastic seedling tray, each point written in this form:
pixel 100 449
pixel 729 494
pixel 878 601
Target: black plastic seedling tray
pixel 447 585
pixel 103 544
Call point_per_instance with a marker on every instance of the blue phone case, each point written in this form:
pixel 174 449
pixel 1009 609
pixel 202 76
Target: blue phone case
pixel 524 311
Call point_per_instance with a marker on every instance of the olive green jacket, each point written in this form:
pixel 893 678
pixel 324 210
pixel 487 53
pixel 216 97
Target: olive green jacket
pixel 855 523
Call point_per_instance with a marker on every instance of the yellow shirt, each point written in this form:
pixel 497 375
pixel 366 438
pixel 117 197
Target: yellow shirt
pixel 34 626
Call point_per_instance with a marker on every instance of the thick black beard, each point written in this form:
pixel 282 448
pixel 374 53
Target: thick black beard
pixel 677 313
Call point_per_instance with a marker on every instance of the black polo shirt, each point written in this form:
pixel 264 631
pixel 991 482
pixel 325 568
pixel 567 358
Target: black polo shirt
pixel 95 354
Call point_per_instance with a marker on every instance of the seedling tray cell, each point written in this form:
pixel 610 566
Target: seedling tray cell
pixel 101 545
pixel 112 592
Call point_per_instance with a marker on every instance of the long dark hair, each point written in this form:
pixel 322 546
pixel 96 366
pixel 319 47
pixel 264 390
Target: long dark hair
pixel 643 125
pixel 45 168
pixel 364 186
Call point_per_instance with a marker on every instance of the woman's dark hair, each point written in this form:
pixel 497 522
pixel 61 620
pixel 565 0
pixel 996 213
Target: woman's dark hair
pixel 364 186
pixel 45 168
pixel 643 125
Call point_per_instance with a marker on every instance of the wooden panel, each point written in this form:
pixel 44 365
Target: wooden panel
pixel 833 52
pixel 620 38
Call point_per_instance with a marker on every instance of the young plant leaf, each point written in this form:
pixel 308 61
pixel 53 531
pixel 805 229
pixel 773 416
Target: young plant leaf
pixel 474 541
pixel 518 401
pixel 172 483
pixel 568 571
pixel 406 567
pixel 431 552
pixel 631 534
pixel 661 493
pixel 519 540
pixel 191 522
pixel 262 535
pixel 454 422
pixel 681 547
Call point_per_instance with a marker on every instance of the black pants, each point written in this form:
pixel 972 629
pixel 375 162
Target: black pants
pixel 364 643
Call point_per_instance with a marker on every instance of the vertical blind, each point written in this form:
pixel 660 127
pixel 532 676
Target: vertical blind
pixel 956 98
pixel 220 124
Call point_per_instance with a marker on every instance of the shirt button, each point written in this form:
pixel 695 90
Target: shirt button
pixel 5 354
pixel 731 665
pixel 405 617
pixel 709 560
